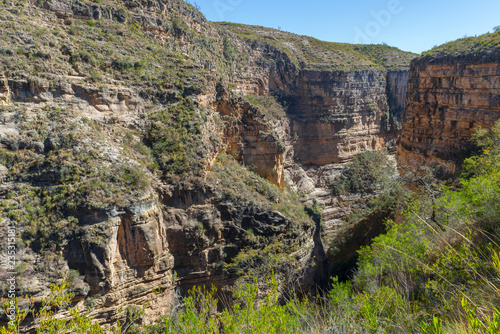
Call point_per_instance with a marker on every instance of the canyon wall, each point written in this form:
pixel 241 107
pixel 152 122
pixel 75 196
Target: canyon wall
pixel 156 155
pixel 337 115
pixel 449 98
pixel 397 88
pixel 115 218
pixel 334 111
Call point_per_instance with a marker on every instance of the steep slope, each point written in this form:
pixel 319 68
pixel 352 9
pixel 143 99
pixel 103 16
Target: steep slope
pixel 454 90
pixel 115 120
pixel 141 148
pixel 341 100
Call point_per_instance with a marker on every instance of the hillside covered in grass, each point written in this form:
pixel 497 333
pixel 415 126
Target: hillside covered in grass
pixel 313 54
pixel 485 48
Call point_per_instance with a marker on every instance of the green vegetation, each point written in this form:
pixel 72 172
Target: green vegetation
pixel 272 109
pixel 372 175
pixel 58 172
pixel 445 265
pixel 253 265
pixel 310 53
pixel 232 180
pixel 365 174
pixel 471 46
pixel 44 311
pixel 175 136
pixel 105 50
pixel 436 270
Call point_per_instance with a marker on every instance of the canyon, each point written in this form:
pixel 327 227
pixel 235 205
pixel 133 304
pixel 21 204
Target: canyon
pixel 143 148
pixel 451 96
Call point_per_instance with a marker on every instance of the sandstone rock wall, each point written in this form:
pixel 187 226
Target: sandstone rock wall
pixel 332 116
pixel 397 88
pixel 252 138
pixel 447 102
pixel 172 237
pixel 125 251
pixel 336 115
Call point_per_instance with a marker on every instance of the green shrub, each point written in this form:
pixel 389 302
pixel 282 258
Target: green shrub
pixel 174 134
pixel 365 174
pixel 269 106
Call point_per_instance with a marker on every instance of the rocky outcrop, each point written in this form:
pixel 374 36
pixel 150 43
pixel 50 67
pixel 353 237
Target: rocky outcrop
pixel 253 138
pixel 4 91
pixel 448 100
pixel 397 88
pixel 170 236
pixel 83 130
pixel 172 243
pixel 335 115
pixel 124 254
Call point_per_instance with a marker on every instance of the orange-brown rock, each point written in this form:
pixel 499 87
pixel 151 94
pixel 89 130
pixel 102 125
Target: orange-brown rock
pixel 447 102
pixel 132 239
pixel 253 138
pixel 337 115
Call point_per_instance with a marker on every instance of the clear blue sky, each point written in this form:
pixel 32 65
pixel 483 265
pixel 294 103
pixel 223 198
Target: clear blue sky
pixel 411 25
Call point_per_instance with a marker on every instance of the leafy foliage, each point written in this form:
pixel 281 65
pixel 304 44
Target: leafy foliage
pixel 269 104
pixel 441 261
pixel 174 135
pixel 47 317
pixel 365 174
pixel 251 264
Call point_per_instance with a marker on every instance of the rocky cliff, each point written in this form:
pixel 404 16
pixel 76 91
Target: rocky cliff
pixel 340 100
pixel 336 115
pixel 453 90
pixel 142 147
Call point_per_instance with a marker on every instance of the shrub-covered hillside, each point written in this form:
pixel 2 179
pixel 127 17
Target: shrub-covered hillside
pixel 436 270
pixel 313 54
pixel 468 45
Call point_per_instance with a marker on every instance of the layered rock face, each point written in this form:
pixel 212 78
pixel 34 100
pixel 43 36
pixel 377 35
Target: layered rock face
pixel 332 114
pixel 397 88
pixel 125 256
pixel 167 238
pixel 252 138
pixel 448 100
pixel 120 214
pixel 337 115
pixel 120 229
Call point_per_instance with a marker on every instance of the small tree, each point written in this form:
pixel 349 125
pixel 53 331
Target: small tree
pixel 497 28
